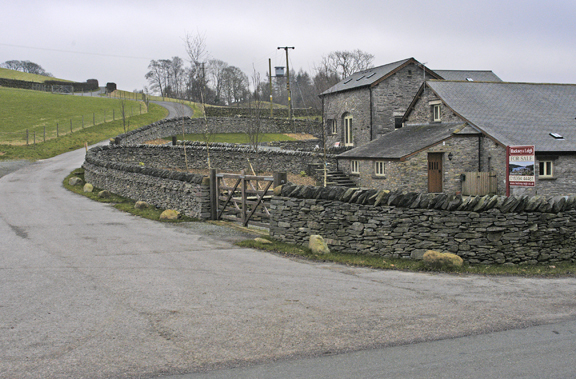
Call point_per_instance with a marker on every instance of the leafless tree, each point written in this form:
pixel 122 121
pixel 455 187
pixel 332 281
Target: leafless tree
pixel 25 66
pixel 345 63
pixel 159 74
pixel 234 85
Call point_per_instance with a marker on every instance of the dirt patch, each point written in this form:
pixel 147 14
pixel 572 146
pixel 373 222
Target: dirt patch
pixel 300 136
pixel 158 141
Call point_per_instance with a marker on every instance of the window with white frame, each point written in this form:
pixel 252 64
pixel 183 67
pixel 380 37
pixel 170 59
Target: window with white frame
pixel 546 169
pixel 354 167
pixel 436 113
pixel 379 168
pixel 348 138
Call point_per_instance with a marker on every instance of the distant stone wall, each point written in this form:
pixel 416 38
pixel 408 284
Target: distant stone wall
pixel 177 126
pixel 224 157
pixel 89 85
pixel 184 192
pixel 486 230
pixel 264 112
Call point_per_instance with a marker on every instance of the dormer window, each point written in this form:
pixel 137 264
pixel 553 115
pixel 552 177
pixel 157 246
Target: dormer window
pixel 436 113
pixel 436 110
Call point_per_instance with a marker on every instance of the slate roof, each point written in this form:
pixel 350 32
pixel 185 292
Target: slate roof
pixel 405 141
pixel 515 113
pixel 368 77
pixel 476 76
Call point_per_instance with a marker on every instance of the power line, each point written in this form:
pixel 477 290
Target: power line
pixel 73 52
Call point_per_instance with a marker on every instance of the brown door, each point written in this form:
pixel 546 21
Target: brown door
pixel 434 172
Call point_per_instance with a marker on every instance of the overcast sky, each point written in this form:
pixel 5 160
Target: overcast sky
pixel 114 41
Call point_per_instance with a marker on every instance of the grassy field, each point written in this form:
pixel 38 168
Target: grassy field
pixel 196 107
pixel 17 75
pixel 76 140
pixel 235 137
pixel 54 115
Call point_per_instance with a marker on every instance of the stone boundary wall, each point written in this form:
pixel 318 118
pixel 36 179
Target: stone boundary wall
pixel 91 84
pixel 264 112
pixel 174 126
pixel 184 192
pixel 224 157
pixel 486 230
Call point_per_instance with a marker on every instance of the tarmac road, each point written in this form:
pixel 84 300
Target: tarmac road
pixel 90 292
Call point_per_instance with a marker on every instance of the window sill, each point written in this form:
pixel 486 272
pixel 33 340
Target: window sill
pixel 547 178
pixel 378 177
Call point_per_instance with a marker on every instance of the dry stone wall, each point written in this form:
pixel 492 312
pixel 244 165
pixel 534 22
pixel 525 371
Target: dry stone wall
pixel 176 126
pixel 184 192
pixel 487 230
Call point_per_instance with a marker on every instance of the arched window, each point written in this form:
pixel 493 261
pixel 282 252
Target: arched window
pixel 348 138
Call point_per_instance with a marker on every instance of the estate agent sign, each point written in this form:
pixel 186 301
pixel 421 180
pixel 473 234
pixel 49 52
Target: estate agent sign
pixel 520 166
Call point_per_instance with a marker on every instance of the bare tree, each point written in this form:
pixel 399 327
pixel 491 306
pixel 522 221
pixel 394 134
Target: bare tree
pixel 195 46
pixel 345 63
pixel 158 76
pixel 25 66
pixel 234 85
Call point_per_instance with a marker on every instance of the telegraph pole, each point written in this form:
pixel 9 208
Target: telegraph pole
pixel 288 82
pixel 270 78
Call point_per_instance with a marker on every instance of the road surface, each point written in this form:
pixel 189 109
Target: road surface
pixel 90 292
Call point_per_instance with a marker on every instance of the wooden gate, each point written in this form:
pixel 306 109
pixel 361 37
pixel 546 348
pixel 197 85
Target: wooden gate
pixel 479 183
pixel 243 198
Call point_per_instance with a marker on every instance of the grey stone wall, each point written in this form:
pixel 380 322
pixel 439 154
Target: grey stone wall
pixel 176 126
pixel 394 95
pixel 186 193
pixel 356 103
pixel 223 157
pixel 486 230
pixel 412 173
pixel 264 112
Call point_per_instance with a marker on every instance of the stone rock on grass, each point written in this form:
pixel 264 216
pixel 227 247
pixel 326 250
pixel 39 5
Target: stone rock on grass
pixel 88 187
pixel 262 240
pixel 141 205
pixel 317 245
pixel 169 214
pixel 436 259
pixel 104 194
pixel 75 181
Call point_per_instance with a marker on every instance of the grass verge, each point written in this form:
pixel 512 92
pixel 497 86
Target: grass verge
pixel 121 203
pixel 376 262
pixel 242 138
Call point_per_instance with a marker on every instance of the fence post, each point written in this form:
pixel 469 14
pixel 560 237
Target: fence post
pixel 26 136
pixel 93 119
pixel 71 126
pixel 113 115
pixel 243 184
pixel 213 195
pixel 34 139
pixel 57 133
pixel 280 178
pixel 44 133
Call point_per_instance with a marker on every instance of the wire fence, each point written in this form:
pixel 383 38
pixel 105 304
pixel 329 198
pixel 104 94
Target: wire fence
pixel 64 126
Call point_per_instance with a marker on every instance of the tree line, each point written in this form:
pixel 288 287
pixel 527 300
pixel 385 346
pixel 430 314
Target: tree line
pixel 212 81
pixel 25 66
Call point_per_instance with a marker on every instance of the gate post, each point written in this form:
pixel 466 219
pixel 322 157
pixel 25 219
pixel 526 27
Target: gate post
pixel 280 178
pixel 213 195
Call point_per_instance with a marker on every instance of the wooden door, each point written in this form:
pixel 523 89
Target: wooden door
pixel 434 172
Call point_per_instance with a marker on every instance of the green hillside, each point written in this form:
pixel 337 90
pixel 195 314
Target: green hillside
pixel 17 75
pixel 64 122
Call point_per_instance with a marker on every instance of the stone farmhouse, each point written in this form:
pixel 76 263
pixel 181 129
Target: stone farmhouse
pixel 371 103
pixel 454 128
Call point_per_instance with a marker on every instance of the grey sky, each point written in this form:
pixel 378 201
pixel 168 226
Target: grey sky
pixel 114 41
